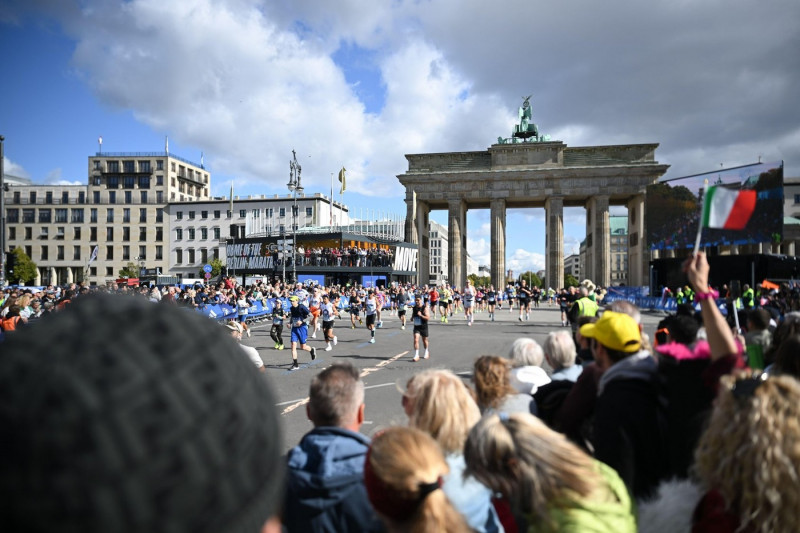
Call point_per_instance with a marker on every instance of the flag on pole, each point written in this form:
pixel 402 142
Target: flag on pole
pixel 342 180
pixel 166 143
pixel 728 208
pixel 100 140
pixel 231 205
pixel 93 256
pixel 201 160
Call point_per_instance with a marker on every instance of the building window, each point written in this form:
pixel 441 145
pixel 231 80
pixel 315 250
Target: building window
pixel 126 234
pixel 204 214
pixel 204 233
pixel 282 212
pixel 109 271
pixel 61 215
pixel 126 215
pixel 282 229
pixel 112 197
pixel 95 197
pixel 12 233
pixel 159 180
pixel 143 214
pixel 216 233
pixel 32 196
pixel 12 215
pixel 60 233
pixel 97 180
pixel 93 234
pixel 93 215
pixel 159 253
pixel 128 182
pixel 217 213
pixel 77 216
pixel 48 197
pixel 142 234
pixel 65 197
pixel 191 215
pixel 144 167
pixel 28 251
pixel 93 271
pixel 178 234
pixel 159 234
pixel 113 182
pixel 191 234
pixel 128 197
pixel 126 253
pixel 204 256
pixel 109 215
pixel 309 211
pixel 191 257
pixel 142 253
pixel 143 197
pixel 109 234
pixel 216 253
pixel 129 166
pixel 109 253
pixel 159 197
pixel 178 256
pixel 16 197
pixel 44 215
pixel 159 215
pixel 242 213
pixel 76 252
pixel 159 165
pixel 96 164
pixel 81 197
pixel 45 253
pixel 179 215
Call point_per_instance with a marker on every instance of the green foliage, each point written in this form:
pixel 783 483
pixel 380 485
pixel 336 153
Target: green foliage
pixel 479 281
pixel 532 279
pixel 216 268
pixel 570 281
pixel 129 271
pixel 24 271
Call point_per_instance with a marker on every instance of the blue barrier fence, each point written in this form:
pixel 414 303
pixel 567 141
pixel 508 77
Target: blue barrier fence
pixel 657 303
pixel 258 310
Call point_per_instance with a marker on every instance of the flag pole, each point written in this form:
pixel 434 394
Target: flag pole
pixel 331 201
pixel 700 222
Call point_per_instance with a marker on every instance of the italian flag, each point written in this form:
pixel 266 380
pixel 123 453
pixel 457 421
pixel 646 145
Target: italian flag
pixel 728 208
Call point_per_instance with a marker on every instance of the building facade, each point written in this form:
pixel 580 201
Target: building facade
pixel 619 249
pixel 437 238
pixel 119 212
pixel 572 266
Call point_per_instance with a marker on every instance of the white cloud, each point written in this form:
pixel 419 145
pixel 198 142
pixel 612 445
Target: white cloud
pixel 13 169
pixel 523 260
pixel 479 250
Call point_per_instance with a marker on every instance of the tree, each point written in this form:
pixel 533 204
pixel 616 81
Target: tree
pixel 479 281
pixel 24 270
pixel 216 268
pixel 532 279
pixel 570 281
pixel 129 271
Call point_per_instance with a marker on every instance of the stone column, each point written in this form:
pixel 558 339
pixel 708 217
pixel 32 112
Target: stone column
pixel 70 277
pixel 456 233
pixel 38 279
pixel 554 242
pixel 411 216
pixel 597 211
pixel 587 272
pixel 498 243
pixel 53 277
pixel 638 274
pixel 423 236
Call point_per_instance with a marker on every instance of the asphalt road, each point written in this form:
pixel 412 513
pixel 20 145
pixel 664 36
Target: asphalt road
pixel 386 363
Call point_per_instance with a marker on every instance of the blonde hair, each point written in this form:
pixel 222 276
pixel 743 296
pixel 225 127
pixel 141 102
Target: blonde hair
pixel 492 378
pixel 401 462
pixel 750 452
pixel 560 349
pixel 443 407
pixel 533 466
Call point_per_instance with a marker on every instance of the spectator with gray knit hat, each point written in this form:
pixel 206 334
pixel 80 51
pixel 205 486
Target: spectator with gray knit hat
pixel 120 415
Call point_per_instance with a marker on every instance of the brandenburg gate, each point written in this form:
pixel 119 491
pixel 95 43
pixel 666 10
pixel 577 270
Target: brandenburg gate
pixel 524 173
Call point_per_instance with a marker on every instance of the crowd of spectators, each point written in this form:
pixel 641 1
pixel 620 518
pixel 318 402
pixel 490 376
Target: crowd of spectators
pixel 602 431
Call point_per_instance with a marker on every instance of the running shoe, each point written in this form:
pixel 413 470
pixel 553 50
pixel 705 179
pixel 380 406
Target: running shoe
pixel 280 346
pixel 360 322
pixel 314 335
pixel 372 340
pixel 248 333
pixel 335 341
pixel 520 319
pixel 426 356
pixel 328 348
pixel 402 327
pixel 415 358
pixel 295 365
pixel 313 353
pixel 352 326
pixel 276 344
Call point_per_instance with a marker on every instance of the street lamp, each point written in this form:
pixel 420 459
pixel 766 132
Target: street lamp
pixel 294 187
pixel 141 261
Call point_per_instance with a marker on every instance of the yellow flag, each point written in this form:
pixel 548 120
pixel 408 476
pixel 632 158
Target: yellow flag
pixel 342 180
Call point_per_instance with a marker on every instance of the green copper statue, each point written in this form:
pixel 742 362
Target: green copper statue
pixel 526 130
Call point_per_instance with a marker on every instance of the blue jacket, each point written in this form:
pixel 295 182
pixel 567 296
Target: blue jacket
pixel 325 486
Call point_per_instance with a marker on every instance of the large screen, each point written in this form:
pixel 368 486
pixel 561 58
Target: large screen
pixel 673 208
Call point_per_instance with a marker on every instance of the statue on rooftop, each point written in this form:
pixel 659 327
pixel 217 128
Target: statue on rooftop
pixel 526 130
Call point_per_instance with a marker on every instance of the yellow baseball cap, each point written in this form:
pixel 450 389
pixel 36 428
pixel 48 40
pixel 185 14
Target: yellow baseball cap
pixel 616 331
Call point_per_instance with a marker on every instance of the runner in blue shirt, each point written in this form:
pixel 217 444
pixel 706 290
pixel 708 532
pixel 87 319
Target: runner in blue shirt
pixel 298 315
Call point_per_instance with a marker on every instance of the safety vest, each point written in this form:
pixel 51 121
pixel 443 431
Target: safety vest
pixel 748 298
pixel 587 307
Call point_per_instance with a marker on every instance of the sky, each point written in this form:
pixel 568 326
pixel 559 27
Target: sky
pixel 360 84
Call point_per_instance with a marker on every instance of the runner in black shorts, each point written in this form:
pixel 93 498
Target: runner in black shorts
pixel 524 297
pixel 420 315
pixel 403 300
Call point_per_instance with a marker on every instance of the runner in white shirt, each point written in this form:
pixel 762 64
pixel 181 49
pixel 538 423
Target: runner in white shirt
pixel 371 310
pixel 329 314
pixel 469 299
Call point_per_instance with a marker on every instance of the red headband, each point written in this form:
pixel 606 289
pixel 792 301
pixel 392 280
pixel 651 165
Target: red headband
pixel 390 502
